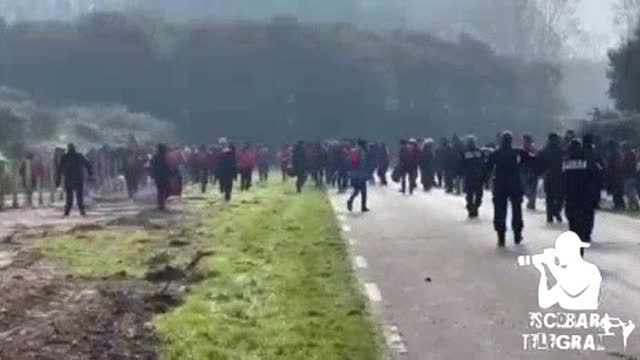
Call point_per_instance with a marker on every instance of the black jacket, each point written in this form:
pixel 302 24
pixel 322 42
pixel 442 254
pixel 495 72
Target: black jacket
pixel 160 171
pixel 580 177
pixel 72 166
pixel 226 166
pixel 473 165
pixel 507 163
pixel 299 159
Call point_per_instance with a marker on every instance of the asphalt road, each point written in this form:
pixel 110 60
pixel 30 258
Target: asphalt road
pixel 442 289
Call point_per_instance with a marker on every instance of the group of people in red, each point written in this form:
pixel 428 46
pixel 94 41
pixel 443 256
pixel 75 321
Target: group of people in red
pixel 221 163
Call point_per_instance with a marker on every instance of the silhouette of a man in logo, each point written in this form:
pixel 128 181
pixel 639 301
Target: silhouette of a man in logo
pixel 577 282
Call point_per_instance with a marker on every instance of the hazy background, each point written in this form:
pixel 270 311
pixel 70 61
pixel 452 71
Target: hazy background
pixel 546 61
pixel 590 24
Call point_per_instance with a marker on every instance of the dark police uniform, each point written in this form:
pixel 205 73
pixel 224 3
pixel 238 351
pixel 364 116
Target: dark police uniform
pixel 580 175
pixel 473 164
pixel 507 187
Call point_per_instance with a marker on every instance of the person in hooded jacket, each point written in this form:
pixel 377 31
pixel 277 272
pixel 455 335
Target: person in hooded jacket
pixel 72 168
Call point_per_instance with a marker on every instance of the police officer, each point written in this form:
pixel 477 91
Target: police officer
pixel 473 164
pixel 580 175
pixel 551 158
pixel 507 187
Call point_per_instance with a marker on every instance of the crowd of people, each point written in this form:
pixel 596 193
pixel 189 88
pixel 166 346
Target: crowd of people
pixel 573 172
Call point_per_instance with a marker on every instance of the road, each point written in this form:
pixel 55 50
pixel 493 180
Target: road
pixel 443 290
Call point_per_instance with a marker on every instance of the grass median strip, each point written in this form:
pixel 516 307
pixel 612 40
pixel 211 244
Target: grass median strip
pixel 279 285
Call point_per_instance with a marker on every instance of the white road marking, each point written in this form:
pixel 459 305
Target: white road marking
pixel 373 292
pixel 361 262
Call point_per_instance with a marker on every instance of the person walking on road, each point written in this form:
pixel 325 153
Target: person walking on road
pixel 530 172
pixel 359 174
pixel 551 158
pixel 629 173
pixel 408 165
pixel 473 163
pixel 507 187
pixel 382 162
pixel 580 176
pixel 427 165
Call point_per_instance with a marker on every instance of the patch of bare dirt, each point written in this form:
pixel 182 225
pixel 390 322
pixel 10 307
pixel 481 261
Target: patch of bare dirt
pixel 46 314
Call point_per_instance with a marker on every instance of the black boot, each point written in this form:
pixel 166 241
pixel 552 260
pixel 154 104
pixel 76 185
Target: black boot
pixel 517 237
pixel 501 239
pixel 350 205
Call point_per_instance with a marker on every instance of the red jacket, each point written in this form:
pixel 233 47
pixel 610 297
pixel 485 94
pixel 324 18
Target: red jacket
pixel 246 159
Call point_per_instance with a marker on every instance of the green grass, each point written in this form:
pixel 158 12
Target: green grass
pixel 101 253
pixel 280 287
pixel 284 290
pixel 132 250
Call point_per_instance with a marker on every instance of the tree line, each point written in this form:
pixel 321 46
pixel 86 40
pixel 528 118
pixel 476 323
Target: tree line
pixel 279 80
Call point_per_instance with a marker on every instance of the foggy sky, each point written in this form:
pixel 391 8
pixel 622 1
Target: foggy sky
pixel 596 16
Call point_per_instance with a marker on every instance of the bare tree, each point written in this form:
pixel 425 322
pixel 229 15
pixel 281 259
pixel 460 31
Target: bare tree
pixel 627 13
pixel 531 29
